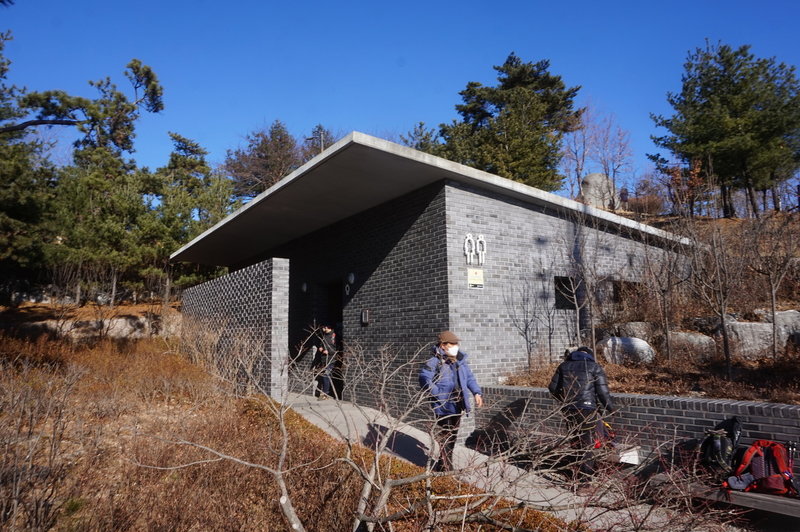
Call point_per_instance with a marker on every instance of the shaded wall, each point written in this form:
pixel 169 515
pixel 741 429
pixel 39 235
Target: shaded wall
pixel 397 256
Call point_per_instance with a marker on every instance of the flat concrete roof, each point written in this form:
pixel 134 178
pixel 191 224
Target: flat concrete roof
pixel 353 175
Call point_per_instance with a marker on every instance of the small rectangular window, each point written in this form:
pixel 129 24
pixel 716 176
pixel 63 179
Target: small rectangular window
pixel 565 293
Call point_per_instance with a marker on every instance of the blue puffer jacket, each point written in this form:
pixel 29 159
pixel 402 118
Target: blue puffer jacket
pixel 442 379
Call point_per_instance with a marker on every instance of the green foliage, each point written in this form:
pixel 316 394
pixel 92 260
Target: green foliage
pixel 107 121
pixel 513 129
pixel 26 179
pixel 191 198
pixel 737 117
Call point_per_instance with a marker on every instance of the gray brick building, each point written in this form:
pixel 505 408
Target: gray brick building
pixel 392 245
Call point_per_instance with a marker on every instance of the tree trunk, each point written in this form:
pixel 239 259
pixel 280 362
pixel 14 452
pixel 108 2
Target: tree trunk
pixel 772 300
pixel 726 346
pixel 113 287
pixel 751 195
pixel 167 289
pixel 728 210
pixel 665 322
pixel 776 199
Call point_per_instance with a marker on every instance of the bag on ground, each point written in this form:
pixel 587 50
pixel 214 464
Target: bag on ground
pixel 765 467
pixel 719 446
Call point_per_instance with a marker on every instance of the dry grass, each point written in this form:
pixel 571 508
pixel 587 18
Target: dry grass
pixel 89 436
pixel 770 380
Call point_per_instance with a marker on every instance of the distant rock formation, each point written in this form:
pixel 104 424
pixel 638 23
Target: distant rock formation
pixel 598 191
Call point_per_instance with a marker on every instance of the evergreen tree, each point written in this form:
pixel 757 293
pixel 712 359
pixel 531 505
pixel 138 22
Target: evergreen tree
pixel 100 200
pixel 191 198
pixel 513 129
pixel 26 180
pixel 737 118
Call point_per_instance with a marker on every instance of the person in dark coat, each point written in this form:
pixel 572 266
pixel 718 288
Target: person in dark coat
pixel 324 362
pixel 446 377
pixel 581 385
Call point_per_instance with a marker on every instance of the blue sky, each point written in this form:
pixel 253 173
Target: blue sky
pixel 229 68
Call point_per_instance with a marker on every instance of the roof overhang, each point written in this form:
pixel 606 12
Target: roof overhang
pixel 353 175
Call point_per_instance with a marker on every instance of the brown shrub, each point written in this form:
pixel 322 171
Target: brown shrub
pixel 129 457
pixel 768 379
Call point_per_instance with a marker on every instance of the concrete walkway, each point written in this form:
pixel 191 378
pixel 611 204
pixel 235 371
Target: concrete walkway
pixel 348 422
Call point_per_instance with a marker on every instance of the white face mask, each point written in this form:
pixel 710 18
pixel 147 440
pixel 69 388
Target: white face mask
pixel 452 351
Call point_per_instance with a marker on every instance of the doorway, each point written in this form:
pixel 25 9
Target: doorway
pixel 332 313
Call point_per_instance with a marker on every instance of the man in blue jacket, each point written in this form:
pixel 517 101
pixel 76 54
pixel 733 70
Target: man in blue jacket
pixel 446 377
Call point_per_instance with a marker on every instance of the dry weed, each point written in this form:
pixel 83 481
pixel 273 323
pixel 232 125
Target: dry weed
pixel 766 379
pixel 106 456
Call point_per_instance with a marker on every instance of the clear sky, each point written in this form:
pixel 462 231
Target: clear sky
pixel 229 68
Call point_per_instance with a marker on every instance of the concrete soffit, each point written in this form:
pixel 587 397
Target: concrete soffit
pixel 357 173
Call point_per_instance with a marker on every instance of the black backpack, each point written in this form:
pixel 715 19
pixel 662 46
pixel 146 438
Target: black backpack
pixel 719 445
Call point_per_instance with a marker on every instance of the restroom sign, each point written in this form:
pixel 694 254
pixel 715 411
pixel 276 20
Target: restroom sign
pixel 475 278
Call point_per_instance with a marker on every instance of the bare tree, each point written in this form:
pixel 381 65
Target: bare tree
pixel 611 150
pixel 666 268
pixel 717 265
pixel 591 253
pixel 772 245
pixel 575 154
pixel 525 466
pixel 35 408
pixel 533 310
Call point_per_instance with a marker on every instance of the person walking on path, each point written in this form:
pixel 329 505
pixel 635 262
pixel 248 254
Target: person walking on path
pixel 581 385
pixel 324 361
pixel 446 377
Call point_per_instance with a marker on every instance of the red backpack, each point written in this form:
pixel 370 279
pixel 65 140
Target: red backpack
pixel 766 466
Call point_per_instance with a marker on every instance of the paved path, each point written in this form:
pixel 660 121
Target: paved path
pixel 349 422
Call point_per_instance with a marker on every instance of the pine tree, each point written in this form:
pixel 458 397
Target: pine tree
pixel 513 129
pixel 738 117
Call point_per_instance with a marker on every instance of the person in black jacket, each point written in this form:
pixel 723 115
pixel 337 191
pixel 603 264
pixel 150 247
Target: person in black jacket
pixel 324 362
pixel 581 385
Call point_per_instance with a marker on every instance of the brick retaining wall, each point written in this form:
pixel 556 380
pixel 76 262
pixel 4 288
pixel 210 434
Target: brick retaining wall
pixel 651 421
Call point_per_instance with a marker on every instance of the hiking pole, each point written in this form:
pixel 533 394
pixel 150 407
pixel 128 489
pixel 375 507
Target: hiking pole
pixel 791 447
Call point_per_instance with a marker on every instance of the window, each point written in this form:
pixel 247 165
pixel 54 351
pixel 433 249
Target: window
pixel 565 292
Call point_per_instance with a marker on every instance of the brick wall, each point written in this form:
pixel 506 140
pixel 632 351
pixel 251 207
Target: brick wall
pixel 242 313
pixel 397 256
pixel 527 247
pixel 652 421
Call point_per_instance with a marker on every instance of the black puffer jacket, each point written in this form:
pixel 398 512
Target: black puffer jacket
pixel 581 383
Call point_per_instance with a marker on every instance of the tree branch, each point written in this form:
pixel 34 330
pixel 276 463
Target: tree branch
pixel 30 123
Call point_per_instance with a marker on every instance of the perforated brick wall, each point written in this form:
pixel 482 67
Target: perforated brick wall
pixel 244 311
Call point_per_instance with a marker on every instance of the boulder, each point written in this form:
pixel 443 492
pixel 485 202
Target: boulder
pixel 752 340
pixel 637 329
pixel 598 191
pixel 127 327
pixel 626 350
pixel 694 346
pixel 708 324
pixel 788 319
